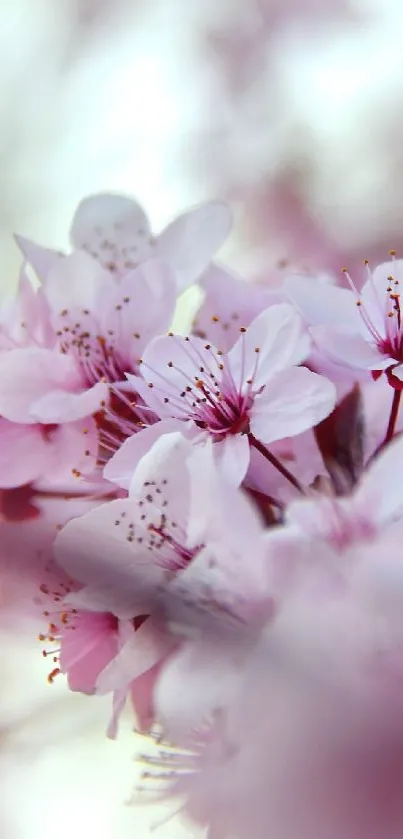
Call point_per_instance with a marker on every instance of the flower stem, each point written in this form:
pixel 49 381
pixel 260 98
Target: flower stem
pixel 394 411
pixel 275 462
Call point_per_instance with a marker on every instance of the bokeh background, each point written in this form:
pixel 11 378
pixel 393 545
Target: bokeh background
pixel 290 109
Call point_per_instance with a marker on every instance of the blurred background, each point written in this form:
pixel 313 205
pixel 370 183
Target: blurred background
pixel 290 109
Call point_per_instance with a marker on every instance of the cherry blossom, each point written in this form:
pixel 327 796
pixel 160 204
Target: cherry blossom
pixel 255 393
pixel 114 230
pixel 123 555
pixel 99 331
pixel 358 329
pixel 375 505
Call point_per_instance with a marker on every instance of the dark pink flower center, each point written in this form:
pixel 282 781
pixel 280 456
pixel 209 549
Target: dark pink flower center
pixel 212 396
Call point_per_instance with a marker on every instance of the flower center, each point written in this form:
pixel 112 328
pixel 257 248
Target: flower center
pixel 389 338
pixel 203 387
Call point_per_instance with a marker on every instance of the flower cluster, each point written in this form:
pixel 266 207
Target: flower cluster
pixel 210 524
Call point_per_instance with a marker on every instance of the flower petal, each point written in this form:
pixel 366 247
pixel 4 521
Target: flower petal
pixel 143 307
pixel 77 283
pixel 291 402
pixel 210 676
pixel 42 260
pixel 380 489
pixel 27 375
pixel 99 550
pixel 349 348
pixel 191 240
pixel 232 457
pixel 321 304
pixel 62 406
pixel 145 648
pixel 276 339
pixel 114 229
pixel 165 464
pixel 230 302
pixel 86 652
pixel 122 465
pixel 34 455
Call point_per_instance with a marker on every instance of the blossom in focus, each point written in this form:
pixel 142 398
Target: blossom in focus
pixel 114 230
pixel 253 391
pixel 359 330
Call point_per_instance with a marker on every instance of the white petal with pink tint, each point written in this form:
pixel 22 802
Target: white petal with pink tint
pixel 25 454
pixel 323 304
pixel 350 348
pixel 380 491
pixel 27 375
pixel 191 240
pixel 229 302
pixel 62 406
pixel 276 339
pixel 232 457
pixel 42 260
pixel 95 550
pixel 142 306
pixel 148 645
pixel 122 465
pixel 114 229
pixel 291 402
pixel 210 676
pixel 77 282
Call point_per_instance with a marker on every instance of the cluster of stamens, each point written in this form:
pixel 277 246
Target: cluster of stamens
pixel 60 619
pixel 96 353
pixel 211 397
pixel 121 416
pixel 116 257
pixel 390 342
pixel 155 530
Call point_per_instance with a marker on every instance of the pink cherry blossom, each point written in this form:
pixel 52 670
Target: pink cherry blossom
pixel 81 643
pixel 99 331
pixel 359 330
pixel 375 506
pixel 154 556
pixel 255 392
pixel 217 604
pixel 45 450
pixel 123 555
pixel 114 230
